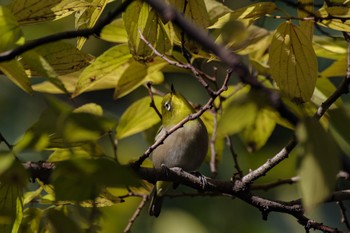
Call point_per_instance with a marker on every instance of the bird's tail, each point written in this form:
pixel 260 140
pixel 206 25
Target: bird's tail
pixel 157 198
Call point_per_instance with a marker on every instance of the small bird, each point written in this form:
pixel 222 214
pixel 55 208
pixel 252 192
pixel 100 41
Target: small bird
pixel 185 148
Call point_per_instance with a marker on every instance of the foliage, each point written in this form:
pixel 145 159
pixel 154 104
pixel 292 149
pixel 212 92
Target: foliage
pixel 275 79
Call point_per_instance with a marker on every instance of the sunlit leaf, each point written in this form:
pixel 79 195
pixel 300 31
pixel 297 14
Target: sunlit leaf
pixel 64 57
pixel 31 220
pixel 319 163
pixel 34 11
pixel 139 16
pixel 40 65
pixel 336 69
pixel 307 26
pixel 115 32
pixel 88 17
pixel 247 14
pixel 10 33
pixel 113 62
pixel 255 136
pixel 326 20
pixel 330 48
pixel 16 73
pixel 338 126
pixel 84 179
pixel 137 74
pixel 216 9
pixel 138 117
pixel 293 62
pixel 90 108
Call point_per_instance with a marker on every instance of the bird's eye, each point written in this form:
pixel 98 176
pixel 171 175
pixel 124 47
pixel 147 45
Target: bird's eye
pixel 167 106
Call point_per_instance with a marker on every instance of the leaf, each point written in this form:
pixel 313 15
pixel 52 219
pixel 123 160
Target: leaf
pixel 60 222
pixel 139 16
pixel 255 136
pixel 138 117
pixel 111 63
pixel 246 14
pixel 293 62
pixel 64 57
pixel 31 220
pixel 338 121
pixel 12 182
pixel 38 63
pixel 319 165
pixel 115 32
pixel 307 26
pixel 11 33
pixel 336 69
pixel 324 88
pixel 84 179
pixel 137 74
pixel 240 113
pixel 16 73
pixel 326 20
pixel 216 9
pixel 90 108
pixel 35 11
pixel 83 127
pixel 88 17
pixel 330 48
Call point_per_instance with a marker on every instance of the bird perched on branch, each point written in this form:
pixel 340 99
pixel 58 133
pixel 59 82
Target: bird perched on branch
pixel 185 148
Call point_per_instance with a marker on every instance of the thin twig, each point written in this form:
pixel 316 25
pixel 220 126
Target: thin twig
pixel 3 139
pixel 344 219
pixel 213 154
pixel 152 104
pixel 277 183
pixel 234 156
pixel 136 214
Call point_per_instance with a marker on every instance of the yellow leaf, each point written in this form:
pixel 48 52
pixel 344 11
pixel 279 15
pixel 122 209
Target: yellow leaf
pixel 10 33
pixel 34 11
pixel 88 17
pixel 138 117
pixel 307 26
pixel 16 73
pixel 326 20
pixel 293 62
pixel 336 69
pixel 115 32
pixel 113 62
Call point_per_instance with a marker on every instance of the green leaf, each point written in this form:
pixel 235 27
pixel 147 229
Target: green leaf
pixel 88 17
pixel 240 113
pixel 327 21
pixel 293 62
pixel 35 11
pixel 140 16
pixel 330 48
pixel 307 26
pixel 10 33
pixel 39 64
pixel 83 127
pixel 216 9
pixel 90 108
pixel 139 73
pixel 31 220
pixel 324 88
pixel 84 179
pixel 16 73
pixel 255 136
pixel 138 117
pixel 319 165
pixel 111 63
pixel 338 121
pixel 115 32
pixel 12 181
pixel 60 222
pixel 246 14
pixel 336 69
pixel 64 57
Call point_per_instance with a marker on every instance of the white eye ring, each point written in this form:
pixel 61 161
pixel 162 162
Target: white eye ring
pixel 167 106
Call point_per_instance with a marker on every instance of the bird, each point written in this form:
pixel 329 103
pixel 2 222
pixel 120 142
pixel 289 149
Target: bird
pixel 185 148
